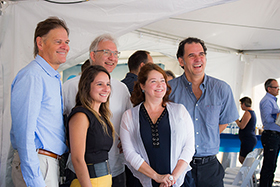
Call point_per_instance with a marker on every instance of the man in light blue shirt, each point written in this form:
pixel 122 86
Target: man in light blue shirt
pixel 271 135
pixel 211 105
pixel 37 132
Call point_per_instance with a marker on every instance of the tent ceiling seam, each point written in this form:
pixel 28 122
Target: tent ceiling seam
pixel 227 24
pixel 177 39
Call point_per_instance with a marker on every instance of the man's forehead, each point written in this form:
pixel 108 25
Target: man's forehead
pixel 274 82
pixel 193 46
pixel 106 44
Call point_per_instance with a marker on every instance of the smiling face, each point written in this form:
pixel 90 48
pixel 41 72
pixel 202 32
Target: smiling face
pixel 53 47
pixel 193 61
pixel 108 62
pixel 155 85
pixel 100 89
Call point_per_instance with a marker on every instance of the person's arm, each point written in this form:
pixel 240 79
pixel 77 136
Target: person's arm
pixel 244 120
pixel 78 126
pixel 222 127
pixel 183 128
pixel 266 110
pixel 26 99
pixel 149 172
pixel 179 169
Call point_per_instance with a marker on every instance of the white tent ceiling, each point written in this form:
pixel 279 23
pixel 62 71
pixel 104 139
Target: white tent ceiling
pixel 243 38
pixel 241 25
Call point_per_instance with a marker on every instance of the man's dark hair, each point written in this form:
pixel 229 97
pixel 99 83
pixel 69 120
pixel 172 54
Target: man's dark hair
pixel 85 65
pixel 190 40
pixel 268 83
pixel 44 27
pixel 136 59
pixel 170 73
pixel 247 101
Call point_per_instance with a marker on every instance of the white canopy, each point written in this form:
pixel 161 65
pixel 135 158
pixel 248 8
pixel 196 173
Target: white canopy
pixel 243 39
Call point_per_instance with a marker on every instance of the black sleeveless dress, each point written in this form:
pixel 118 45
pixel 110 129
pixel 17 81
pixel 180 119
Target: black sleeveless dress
pixel 98 142
pixel 247 136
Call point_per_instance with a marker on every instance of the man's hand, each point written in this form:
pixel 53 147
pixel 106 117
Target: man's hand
pixel 120 146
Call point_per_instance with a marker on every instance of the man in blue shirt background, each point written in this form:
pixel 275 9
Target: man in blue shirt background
pixel 271 134
pixel 37 132
pixel 135 62
pixel 211 105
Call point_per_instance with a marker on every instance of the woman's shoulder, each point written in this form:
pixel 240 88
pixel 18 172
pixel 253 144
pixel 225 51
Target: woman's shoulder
pixel 81 109
pixel 173 105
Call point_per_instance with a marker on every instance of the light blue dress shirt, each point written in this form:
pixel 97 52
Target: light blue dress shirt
pixel 215 106
pixel 269 110
pixel 37 120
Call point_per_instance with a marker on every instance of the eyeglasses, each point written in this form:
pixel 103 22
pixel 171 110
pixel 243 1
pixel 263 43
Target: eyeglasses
pixel 108 53
pixel 276 87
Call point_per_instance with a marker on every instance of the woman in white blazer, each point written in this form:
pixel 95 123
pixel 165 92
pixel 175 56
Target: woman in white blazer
pixel 157 136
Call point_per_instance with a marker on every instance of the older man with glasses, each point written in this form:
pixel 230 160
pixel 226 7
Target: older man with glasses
pixel 271 135
pixel 103 51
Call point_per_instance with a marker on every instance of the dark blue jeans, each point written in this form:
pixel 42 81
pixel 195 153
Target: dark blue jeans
pixel 271 144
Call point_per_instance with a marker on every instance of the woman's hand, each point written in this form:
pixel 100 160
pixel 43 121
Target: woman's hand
pixel 165 180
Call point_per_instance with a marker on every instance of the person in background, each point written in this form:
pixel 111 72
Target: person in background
pixel 90 130
pixel 38 133
pixel 135 62
pixel 247 126
pixel 157 135
pixel 103 51
pixel 211 105
pixel 69 92
pixel 271 135
pixel 170 75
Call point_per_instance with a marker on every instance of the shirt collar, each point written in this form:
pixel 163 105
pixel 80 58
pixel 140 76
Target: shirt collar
pixel 271 96
pixel 131 75
pixel 46 67
pixel 202 85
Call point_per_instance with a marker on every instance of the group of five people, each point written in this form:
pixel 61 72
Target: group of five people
pixel 168 138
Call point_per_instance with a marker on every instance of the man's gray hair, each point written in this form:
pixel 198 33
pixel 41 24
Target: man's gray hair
pixel 94 45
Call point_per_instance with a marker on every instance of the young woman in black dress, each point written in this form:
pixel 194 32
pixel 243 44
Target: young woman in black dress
pixel 90 131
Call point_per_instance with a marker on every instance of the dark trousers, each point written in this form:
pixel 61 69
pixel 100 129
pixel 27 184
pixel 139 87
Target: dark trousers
pixel 271 144
pixel 208 174
pixel 119 181
pixel 189 181
pixel 131 181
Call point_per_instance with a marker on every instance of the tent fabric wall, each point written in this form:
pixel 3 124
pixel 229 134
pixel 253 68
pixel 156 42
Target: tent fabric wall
pixel 86 21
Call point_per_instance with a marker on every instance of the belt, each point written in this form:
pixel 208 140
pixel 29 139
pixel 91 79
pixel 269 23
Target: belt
pixel 272 132
pixel 48 153
pixel 99 169
pixel 203 160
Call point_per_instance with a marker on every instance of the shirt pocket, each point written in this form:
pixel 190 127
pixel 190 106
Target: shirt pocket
pixel 212 114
